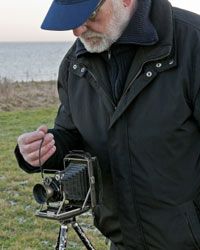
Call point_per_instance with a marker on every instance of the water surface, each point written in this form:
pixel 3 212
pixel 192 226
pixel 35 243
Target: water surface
pixel 26 61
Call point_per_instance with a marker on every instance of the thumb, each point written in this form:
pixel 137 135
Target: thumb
pixel 43 128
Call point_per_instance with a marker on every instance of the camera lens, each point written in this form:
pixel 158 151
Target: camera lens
pixel 41 193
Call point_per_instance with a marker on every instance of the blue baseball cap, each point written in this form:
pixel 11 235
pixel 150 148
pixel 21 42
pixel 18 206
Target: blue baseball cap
pixel 68 14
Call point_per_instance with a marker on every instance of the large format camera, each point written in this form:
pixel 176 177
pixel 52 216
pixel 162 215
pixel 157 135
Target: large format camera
pixel 65 194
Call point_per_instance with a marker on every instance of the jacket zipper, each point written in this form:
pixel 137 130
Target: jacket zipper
pixel 108 97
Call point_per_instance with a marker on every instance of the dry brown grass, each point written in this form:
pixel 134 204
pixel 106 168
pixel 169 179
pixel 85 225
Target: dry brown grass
pixel 27 95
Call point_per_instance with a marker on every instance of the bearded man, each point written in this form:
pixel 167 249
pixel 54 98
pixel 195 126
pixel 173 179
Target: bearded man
pixel 130 94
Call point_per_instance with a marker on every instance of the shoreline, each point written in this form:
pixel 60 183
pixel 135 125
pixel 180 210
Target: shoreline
pixel 28 95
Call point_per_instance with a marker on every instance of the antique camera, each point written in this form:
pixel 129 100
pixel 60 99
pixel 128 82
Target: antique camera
pixel 72 191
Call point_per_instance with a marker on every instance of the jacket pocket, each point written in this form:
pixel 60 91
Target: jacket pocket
pixel 189 212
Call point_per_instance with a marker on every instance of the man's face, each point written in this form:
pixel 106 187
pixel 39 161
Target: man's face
pixel 100 33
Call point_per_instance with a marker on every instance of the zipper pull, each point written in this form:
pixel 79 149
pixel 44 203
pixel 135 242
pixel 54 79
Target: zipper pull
pixel 109 54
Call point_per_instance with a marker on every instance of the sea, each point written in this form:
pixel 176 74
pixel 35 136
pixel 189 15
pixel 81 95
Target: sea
pixel 27 61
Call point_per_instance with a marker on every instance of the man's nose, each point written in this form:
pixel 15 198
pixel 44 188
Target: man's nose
pixel 79 30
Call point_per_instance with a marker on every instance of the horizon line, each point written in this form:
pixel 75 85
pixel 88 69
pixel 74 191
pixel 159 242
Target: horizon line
pixel 38 41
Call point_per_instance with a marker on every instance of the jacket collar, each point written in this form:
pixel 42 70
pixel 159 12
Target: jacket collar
pixel 140 30
pixel 161 17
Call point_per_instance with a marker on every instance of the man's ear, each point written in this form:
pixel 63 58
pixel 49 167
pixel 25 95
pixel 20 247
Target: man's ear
pixel 127 3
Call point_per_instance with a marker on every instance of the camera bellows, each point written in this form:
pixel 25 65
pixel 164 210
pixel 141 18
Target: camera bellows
pixel 75 182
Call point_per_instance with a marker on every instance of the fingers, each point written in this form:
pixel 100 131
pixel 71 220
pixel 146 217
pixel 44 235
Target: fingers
pixel 27 138
pixel 31 148
pixel 30 137
pixel 46 152
pixel 43 128
pixel 34 145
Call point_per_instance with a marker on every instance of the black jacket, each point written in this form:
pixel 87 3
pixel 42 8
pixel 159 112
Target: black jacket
pixel 148 145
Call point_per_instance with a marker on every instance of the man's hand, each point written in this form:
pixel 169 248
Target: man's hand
pixel 29 146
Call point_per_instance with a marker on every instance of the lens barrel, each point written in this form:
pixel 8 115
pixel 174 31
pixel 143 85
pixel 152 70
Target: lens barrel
pixel 42 193
pixel 48 191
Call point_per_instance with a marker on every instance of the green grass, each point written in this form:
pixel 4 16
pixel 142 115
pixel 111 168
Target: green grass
pixel 19 228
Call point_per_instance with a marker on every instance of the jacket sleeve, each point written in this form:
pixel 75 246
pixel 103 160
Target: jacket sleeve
pixel 65 133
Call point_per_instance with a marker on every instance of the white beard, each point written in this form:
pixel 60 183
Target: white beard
pixel 95 42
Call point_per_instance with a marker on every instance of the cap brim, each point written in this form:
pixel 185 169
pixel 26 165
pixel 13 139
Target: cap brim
pixel 68 16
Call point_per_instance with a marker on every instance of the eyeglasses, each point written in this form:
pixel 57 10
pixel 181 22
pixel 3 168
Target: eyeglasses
pixel 94 13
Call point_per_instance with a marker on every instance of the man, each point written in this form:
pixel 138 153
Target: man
pixel 130 95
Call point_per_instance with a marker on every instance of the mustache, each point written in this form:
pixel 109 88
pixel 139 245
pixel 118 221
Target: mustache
pixel 91 34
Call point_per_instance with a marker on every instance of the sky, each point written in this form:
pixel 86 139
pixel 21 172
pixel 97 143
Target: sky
pixel 21 20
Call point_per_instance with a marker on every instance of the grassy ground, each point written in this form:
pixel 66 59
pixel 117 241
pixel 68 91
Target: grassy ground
pixel 19 228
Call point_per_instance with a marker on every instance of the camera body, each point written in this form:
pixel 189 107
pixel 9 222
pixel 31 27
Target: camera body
pixel 72 191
